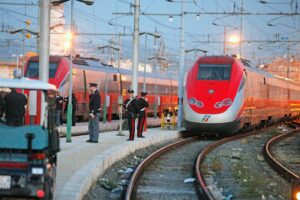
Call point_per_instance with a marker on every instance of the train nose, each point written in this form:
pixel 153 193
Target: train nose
pixel 211 98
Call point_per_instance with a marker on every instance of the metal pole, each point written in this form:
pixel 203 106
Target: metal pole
pixel 241 27
pixel 121 107
pixel 145 63
pixel 135 58
pixel 105 97
pixel 23 59
pixel 44 44
pixel 69 109
pixel 181 68
pixel 17 61
pixel 224 47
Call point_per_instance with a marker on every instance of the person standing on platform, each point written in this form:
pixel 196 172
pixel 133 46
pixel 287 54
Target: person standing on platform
pixel 142 104
pixel 59 101
pixel 94 106
pixel 2 106
pixel 74 106
pixel 130 106
pixel 15 108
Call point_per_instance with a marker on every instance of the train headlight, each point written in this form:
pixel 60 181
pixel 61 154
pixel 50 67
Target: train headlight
pixel 226 102
pixel 218 105
pixel 298 196
pixel 199 104
pixel 192 101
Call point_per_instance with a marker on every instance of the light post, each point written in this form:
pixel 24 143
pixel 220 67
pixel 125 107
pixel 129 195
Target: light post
pixel 69 109
pixel 234 40
pixel 225 34
pixel 158 58
pixel 26 33
pixel 17 61
pixel 108 47
pixel 155 35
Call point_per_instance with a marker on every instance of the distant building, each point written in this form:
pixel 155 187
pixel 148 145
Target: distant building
pixel 285 67
pixel 6 69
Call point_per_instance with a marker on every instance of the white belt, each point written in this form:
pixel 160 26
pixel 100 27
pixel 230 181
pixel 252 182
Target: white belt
pixel 143 109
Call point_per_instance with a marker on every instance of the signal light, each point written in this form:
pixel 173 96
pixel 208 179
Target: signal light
pixel 296 190
pixel 40 194
pixel 38 156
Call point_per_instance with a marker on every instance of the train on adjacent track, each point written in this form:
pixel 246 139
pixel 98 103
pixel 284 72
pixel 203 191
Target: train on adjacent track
pixel 161 88
pixel 225 94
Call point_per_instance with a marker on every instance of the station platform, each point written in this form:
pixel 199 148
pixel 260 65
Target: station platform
pixel 81 163
pixel 82 127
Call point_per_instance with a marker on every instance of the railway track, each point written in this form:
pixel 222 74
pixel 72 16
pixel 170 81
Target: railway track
pixel 161 175
pixel 208 149
pixel 157 178
pixel 282 153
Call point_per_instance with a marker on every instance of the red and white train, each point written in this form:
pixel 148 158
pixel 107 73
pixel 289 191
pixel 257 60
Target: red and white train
pixel 226 94
pixel 161 88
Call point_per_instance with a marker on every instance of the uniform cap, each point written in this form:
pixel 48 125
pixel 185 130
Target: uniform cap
pixel 130 91
pixel 143 94
pixel 93 84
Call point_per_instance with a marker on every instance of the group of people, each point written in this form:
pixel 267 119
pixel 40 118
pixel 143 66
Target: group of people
pixel 134 107
pixel 59 108
pixel 13 105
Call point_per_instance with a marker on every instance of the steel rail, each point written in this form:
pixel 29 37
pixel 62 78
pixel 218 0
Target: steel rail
pixel 280 168
pixel 205 152
pixel 137 172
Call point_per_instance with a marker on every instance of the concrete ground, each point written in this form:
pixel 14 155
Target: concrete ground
pixel 82 127
pixel 80 163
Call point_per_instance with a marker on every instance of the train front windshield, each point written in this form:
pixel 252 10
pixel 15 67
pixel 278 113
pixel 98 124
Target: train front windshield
pixel 33 70
pixel 217 72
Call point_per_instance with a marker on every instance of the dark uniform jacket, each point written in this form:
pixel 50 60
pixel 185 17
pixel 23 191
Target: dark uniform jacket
pixel 59 102
pixel 15 105
pixel 142 104
pixel 95 102
pixel 130 105
pixel 74 103
pixel 2 106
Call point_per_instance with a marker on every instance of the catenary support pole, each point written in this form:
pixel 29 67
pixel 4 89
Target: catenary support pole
pixel 69 109
pixel 44 45
pixel 181 67
pixel 135 58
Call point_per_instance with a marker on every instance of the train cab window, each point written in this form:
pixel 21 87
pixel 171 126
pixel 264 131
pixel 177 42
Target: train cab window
pixel 214 72
pixel 33 70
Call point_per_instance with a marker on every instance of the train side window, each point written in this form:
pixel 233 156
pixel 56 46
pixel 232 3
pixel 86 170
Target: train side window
pixel 115 77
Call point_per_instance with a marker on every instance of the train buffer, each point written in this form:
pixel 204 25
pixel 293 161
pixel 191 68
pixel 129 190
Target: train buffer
pixel 168 121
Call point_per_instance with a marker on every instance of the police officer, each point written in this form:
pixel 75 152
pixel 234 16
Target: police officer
pixel 59 100
pixel 142 104
pixel 15 108
pixel 2 106
pixel 94 106
pixel 130 106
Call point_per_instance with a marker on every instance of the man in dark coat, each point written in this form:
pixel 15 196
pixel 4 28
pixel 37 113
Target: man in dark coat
pixel 15 108
pixel 2 106
pixel 130 106
pixel 74 107
pixel 142 104
pixel 94 112
pixel 59 101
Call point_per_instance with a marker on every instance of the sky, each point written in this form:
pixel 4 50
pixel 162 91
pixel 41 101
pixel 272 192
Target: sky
pixel 205 31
